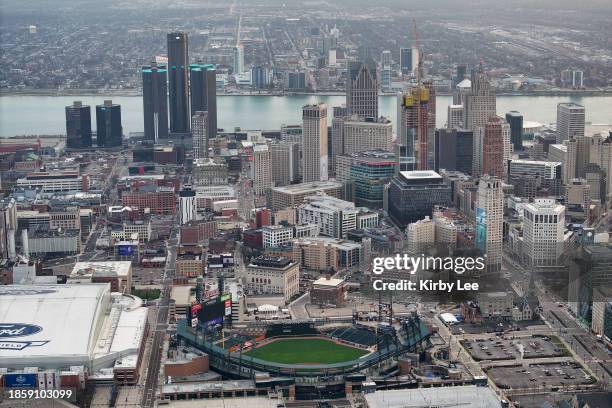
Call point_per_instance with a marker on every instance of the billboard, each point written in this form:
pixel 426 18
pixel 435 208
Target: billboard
pixel 126 250
pixel 214 311
pixel 481 229
pixel 19 380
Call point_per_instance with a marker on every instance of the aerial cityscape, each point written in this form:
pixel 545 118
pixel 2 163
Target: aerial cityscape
pixel 356 204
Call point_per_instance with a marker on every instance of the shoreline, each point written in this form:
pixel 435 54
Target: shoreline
pixel 138 93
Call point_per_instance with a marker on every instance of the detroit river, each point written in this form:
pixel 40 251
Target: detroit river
pixel 44 115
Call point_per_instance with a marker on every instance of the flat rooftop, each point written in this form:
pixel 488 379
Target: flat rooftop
pixel 333 282
pixel 335 242
pixel 467 396
pixel 110 268
pixel 304 188
pixel 181 294
pixel 420 175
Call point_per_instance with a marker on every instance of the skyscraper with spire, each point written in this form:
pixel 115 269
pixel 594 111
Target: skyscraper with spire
pixel 362 89
pixel 480 103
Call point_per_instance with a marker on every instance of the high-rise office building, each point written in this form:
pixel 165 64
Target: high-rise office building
pixel 362 89
pixel 489 221
pixel 493 148
pixel 238 59
pixel 454 150
pixel 414 194
pixel 406 61
pixel 480 103
pixel 460 73
pixel 262 169
pixel 366 174
pixel 187 205
pixel 108 125
pixel 414 59
pixel 285 157
pixel 461 91
pixel 178 81
pixel 385 58
pixel 420 235
pixel 295 80
pixel 454 117
pixel 385 77
pixel 155 102
pixel 515 120
pixel 431 123
pixel 78 126
pixel 604 159
pixel 412 147
pixel 578 156
pixel 367 134
pixel 260 77
pixel 570 121
pixel 340 114
pixel 203 86
pixel 199 130
pixel 571 78
pixel 314 143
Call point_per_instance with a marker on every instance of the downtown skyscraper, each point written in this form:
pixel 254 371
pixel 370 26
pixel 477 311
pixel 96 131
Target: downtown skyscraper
pixel 78 126
pixel 480 103
pixel 493 147
pixel 108 125
pixel 178 81
pixel 199 130
pixel 314 143
pixel 515 120
pixel 412 149
pixel 362 89
pixel 570 121
pixel 203 88
pixel 489 221
pixel 155 102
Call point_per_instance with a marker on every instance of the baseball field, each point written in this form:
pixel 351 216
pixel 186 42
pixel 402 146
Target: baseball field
pixel 306 351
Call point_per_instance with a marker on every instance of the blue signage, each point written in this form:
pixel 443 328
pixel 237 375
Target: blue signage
pixel 481 229
pixel 126 250
pixel 8 330
pixel 18 380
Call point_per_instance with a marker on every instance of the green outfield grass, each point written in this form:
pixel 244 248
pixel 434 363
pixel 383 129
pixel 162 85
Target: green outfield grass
pixel 306 351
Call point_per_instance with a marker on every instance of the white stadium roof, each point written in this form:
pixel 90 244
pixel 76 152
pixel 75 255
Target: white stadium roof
pixel 63 316
pixel 55 326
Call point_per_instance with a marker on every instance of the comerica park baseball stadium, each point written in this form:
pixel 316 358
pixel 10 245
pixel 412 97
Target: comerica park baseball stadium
pixel 306 358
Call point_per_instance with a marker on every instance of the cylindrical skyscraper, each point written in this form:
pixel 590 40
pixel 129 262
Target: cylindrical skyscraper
pixel 108 125
pixel 203 84
pixel 78 126
pixel 178 61
pixel 155 102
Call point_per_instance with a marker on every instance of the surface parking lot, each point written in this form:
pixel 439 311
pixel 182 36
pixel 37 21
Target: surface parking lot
pixel 509 349
pixel 540 375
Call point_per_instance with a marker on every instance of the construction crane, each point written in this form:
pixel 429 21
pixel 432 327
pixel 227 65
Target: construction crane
pixel 421 96
pixel 417 45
